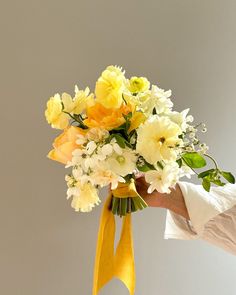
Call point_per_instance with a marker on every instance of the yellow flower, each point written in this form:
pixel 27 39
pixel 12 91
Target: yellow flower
pixel 82 100
pixel 157 139
pixel 67 102
pixel 100 116
pixel 54 114
pixel 84 197
pixel 138 84
pixel 137 119
pixel 109 87
pixel 65 144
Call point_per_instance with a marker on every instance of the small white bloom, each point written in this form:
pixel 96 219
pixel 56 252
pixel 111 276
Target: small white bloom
pixel 189 119
pixel 185 171
pixel 106 150
pixel 203 148
pixel 77 173
pixel 91 147
pixel 81 139
pixel 162 180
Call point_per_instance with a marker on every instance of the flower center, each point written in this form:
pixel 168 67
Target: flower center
pixel 162 139
pixel 120 159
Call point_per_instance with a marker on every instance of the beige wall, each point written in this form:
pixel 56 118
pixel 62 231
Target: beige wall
pixel 48 46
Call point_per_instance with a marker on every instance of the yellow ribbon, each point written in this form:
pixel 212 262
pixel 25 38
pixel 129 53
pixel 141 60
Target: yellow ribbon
pixel 120 264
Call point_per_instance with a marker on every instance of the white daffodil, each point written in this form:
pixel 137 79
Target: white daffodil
pixel 84 197
pixel 180 118
pixel 103 176
pixel 162 179
pixel 163 104
pixel 157 139
pixel 124 163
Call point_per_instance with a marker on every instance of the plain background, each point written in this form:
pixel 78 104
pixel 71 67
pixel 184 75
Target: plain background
pixel 47 47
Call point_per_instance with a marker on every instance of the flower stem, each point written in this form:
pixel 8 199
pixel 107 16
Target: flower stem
pixel 214 161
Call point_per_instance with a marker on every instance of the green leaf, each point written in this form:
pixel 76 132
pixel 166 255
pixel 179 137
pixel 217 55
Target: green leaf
pixel 144 166
pixel 121 127
pixel 228 176
pixel 194 160
pixel 205 173
pixel 206 184
pixel 120 140
pixel 128 116
pixel 218 182
pixel 179 162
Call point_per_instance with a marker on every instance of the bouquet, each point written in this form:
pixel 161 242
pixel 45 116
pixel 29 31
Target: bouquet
pixel 125 128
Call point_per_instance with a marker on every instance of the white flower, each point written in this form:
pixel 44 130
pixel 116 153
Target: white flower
pixel 79 157
pixel 81 139
pixel 162 180
pixel 79 175
pixel 124 163
pixel 91 147
pixel 163 104
pixel 84 197
pixel 185 171
pixel 157 139
pixel 180 118
pixel 106 150
pixel 103 176
pixel 97 134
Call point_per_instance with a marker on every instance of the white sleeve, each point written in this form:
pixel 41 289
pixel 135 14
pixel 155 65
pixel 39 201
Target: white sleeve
pixel 212 216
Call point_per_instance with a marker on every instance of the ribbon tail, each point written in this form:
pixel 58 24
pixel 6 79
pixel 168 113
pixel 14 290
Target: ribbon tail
pixel 104 261
pixel 124 267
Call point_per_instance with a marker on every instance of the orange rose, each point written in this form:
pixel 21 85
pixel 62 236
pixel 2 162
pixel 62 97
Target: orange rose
pixel 99 116
pixel 65 144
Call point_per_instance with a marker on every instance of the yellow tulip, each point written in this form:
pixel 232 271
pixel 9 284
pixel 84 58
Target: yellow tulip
pixel 65 144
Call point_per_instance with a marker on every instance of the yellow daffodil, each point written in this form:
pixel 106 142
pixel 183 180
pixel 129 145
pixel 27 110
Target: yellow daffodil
pixel 68 102
pixel 109 87
pixel 54 113
pixel 84 197
pixel 136 120
pixel 138 84
pixel 82 100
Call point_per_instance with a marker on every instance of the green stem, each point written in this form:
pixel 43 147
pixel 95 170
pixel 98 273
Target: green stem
pixel 190 167
pixel 76 119
pixel 214 161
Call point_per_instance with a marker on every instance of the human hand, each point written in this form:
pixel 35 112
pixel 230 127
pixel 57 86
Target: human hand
pixel 173 201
